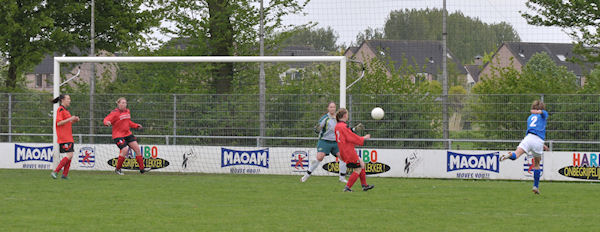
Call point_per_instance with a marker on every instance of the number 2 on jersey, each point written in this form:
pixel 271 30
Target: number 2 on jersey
pixel 533 120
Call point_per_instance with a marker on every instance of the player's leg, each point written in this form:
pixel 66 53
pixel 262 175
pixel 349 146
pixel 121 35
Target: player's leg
pixel 65 173
pixel 356 168
pixel 63 148
pixel 536 174
pixel 513 155
pixel 122 153
pixel 363 177
pixel 314 164
pixel 123 149
pixel 343 169
pixel 138 155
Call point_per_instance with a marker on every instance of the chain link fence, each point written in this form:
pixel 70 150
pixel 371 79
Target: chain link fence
pixel 489 122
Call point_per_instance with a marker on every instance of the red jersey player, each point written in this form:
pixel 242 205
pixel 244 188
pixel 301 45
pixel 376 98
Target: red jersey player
pixel 64 132
pixel 120 120
pixel 346 140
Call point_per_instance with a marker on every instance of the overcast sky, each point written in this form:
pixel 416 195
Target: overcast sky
pixel 349 17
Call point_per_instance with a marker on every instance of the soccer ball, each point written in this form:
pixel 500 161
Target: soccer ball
pixel 377 113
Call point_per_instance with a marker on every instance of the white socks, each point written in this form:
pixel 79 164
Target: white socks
pixel 313 165
pixel 343 168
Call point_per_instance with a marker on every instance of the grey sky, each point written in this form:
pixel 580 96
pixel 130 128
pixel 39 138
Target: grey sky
pixel 349 17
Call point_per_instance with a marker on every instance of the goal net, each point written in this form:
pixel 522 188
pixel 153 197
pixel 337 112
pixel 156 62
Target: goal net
pixel 207 132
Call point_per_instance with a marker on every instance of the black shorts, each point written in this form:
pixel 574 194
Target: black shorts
pixel 123 142
pixel 66 147
pixel 353 165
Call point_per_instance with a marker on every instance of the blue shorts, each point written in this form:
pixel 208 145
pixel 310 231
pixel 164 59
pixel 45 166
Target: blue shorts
pixel 327 147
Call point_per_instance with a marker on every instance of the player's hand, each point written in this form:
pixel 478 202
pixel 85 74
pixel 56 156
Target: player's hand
pixel 139 127
pixel 317 128
pixel 546 148
pixel 74 118
pixel 359 127
pixel 368 136
pixel 108 123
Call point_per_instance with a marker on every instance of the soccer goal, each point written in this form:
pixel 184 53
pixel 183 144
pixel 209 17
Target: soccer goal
pixel 224 158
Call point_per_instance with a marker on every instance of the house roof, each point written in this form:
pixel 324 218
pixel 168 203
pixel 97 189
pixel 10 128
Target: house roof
pixel 474 70
pixel 47 64
pixel 300 50
pixel 425 53
pixel 351 49
pixel 558 52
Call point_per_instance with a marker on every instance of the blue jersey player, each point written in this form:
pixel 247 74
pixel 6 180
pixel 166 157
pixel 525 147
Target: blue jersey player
pixel 533 143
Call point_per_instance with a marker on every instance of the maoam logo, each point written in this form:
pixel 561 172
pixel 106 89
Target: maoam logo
pixel 150 155
pixel 25 153
pixel 486 162
pixel 370 159
pixel 259 158
pixel 586 167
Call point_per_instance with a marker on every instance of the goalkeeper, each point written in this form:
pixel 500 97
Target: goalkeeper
pixel 326 144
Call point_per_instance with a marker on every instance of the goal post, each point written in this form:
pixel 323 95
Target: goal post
pixel 191 59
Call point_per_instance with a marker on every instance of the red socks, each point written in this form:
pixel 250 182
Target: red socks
pixel 140 161
pixel 67 166
pixel 352 179
pixel 120 162
pixel 66 163
pixel 363 177
pixel 62 163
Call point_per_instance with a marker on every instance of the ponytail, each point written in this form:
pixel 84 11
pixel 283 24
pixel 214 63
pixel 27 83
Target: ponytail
pixel 58 99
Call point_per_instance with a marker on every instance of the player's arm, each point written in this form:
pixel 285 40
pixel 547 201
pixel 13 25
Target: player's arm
pixel 544 114
pixel 62 118
pixel 109 118
pixel 546 148
pixel 536 111
pixel 354 138
pixel 70 119
pixel 134 125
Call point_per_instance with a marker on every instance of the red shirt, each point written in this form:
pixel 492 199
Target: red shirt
pixel 64 132
pixel 121 123
pixel 346 140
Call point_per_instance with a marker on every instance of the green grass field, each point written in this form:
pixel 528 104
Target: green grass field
pixel 101 201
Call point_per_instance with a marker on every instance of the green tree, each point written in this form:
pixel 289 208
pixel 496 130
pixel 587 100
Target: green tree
pixel 33 28
pixel 323 39
pixel 580 17
pixel 467 37
pixel 368 34
pixel 225 27
pixel 512 92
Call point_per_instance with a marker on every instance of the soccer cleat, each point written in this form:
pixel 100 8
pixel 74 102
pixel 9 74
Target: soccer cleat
pixel 343 179
pixel 305 177
pixel 367 187
pixel 53 175
pixel 535 190
pixel 118 171
pixel 146 169
pixel 346 189
pixel 64 177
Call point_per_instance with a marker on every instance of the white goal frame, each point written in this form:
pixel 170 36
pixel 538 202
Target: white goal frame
pixel 190 59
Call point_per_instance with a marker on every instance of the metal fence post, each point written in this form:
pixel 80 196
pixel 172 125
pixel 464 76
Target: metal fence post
pixel 174 119
pixel 9 117
pixel 350 107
